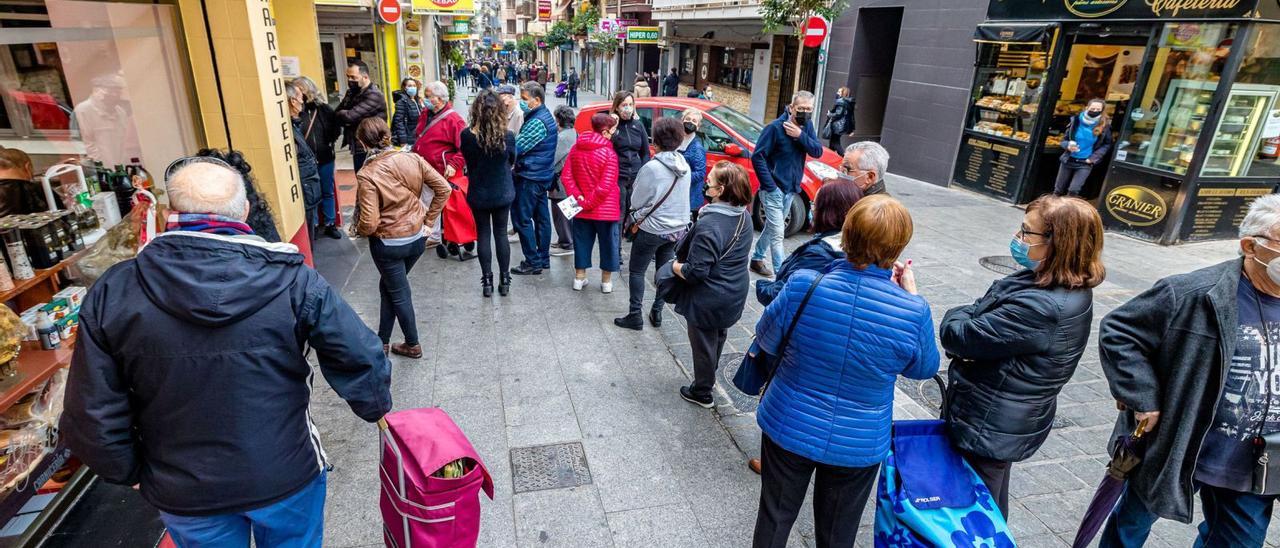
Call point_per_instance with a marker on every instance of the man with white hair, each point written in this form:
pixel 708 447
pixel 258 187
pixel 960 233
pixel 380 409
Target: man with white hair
pixel 190 378
pixel 866 162
pixel 1191 361
pixel 778 160
pixel 439 142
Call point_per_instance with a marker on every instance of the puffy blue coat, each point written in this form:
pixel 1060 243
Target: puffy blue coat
pixel 832 398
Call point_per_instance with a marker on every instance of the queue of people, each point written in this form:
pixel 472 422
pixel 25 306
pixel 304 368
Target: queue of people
pixel 1189 361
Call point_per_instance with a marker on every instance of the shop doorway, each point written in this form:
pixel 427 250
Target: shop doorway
pixel 808 72
pixel 335 66
pixel 1098 65
pixel 875 47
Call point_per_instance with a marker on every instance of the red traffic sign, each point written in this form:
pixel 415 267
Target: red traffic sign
pixel 389 11
pixel 814 31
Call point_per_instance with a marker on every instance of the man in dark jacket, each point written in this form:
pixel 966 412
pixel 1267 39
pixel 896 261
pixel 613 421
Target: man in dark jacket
pixel 571 83
pixel 535 170
pixel 778 161
pixel 190 377
pixel 671 84
pixel 1192 357
pixel 363 100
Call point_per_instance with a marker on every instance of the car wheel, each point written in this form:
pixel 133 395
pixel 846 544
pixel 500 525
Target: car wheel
pixel 757 214
pixel 798 217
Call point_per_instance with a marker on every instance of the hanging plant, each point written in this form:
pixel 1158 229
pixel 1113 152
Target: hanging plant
pixel 586 21
pixel 560 34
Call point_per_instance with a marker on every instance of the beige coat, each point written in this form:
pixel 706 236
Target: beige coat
pixel 389 195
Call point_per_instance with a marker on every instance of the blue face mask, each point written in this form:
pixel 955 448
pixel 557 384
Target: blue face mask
pixel 524 105
pixel 413 92
pixel 1019 249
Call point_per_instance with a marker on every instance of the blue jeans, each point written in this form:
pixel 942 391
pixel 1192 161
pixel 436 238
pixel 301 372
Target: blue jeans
pixel 585 234
pixel 328 204
pixel 532 219
pixel 1231 518
pixel 394 263
pixel 573 97
pixel 776 205
pixel 295 522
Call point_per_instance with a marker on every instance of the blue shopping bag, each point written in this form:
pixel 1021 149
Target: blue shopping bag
pixel 929 496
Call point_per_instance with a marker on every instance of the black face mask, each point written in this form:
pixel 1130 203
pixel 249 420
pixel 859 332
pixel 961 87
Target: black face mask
pixel 690 128
pixel 353 84
pixel 800 118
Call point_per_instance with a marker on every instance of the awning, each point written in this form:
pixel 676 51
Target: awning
pixel 1014 33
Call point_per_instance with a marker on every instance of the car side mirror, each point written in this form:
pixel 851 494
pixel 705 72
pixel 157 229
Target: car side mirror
pixel 732 149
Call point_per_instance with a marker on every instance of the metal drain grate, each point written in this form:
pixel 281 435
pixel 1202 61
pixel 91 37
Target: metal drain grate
pixel 549 467
pixel 1000 264
pixel 729 364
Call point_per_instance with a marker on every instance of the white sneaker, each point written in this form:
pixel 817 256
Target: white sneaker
pixel 513 238
pixel 606 287
pixel 579 283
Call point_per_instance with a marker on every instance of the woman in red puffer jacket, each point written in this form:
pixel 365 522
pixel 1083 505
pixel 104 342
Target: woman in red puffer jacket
pixel 590 175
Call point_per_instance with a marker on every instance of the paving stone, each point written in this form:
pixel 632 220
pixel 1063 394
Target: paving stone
pixel 561 517
pixel 669 526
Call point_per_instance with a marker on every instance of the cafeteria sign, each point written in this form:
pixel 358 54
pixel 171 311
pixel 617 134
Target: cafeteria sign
pixel 1066 10
pixel 443 7
pixel 643 35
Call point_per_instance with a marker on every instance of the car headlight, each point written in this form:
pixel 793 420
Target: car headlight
pixel 821 171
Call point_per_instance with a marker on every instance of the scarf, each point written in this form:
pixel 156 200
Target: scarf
pixel 206 222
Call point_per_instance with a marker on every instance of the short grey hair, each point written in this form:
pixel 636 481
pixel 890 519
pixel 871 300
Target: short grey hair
pixel 533 90
pixel 438 89
pixel 205 187
pixel 310 91
pixel 1263 217
pixel 803 95
pixel 873 158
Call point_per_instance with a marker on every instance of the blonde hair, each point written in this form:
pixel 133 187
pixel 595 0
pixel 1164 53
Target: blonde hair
pixel 876 230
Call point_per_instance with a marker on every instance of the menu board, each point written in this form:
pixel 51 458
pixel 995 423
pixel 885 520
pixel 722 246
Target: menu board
pixel 990 166
pixel 1218 210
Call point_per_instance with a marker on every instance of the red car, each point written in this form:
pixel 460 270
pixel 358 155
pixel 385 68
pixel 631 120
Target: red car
pixel 729 135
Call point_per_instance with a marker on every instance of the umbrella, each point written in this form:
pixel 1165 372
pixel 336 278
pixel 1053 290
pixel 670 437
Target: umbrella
pixel 1127 456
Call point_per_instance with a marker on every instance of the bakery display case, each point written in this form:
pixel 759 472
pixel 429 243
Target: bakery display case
pixel 1173 143
pixel 1240 129
pixel 1007 90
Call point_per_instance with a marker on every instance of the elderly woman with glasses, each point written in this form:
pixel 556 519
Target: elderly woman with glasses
pixel 1015 348
pixel 825 413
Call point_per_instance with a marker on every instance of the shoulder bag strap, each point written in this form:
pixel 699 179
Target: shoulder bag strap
pixel 315 113
pixel 786 337
pixel 737 235
pixel 435 120
pixel 662 200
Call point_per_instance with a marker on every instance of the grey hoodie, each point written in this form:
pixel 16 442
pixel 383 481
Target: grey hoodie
pixel 652 182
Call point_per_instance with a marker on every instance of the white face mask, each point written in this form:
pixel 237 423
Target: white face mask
pixel 1273 266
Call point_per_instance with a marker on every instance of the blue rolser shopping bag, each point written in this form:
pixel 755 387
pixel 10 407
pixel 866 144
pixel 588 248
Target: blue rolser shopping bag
pixel 929 496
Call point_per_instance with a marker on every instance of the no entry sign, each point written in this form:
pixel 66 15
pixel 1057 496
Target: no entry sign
pixel 814 31
pixel 389 11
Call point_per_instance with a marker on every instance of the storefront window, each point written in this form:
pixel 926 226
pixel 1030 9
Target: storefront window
pixel 1007 89
pixel 93 82
pixel 1247 142
pixel 1162 129
pixel 735 68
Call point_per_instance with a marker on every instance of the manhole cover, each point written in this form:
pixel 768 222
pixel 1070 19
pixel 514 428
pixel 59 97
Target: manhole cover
pixel 1000 264
pixel 729 364
pixel 549 467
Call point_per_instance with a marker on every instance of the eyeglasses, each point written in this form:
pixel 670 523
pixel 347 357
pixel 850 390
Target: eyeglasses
pixel 1023 232
pixel 180 163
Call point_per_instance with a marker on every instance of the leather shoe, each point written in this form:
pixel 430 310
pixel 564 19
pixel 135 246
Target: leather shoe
pixel 655 318
pixel 407 350
pixel 333 232
pixel 754 465
pixel 525 269
pixel 759 268
pixel 630 321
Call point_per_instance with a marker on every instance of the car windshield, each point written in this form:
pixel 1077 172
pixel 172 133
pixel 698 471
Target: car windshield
pixel 749 129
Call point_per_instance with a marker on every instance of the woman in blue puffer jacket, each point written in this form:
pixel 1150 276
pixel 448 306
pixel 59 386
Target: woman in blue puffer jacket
pixel 829 407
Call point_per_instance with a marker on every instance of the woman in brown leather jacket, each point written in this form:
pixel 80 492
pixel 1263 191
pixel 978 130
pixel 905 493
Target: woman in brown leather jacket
pixel 392 213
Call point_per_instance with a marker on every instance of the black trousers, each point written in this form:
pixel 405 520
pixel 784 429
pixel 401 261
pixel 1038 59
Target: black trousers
pixel 839 497
pixel 1072 176
pixel 647 248
pixel 707 344
pixel 394 263
pixel 491 236
pixel 834 144
pixel 994 473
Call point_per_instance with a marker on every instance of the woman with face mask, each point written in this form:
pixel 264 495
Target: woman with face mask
pixel 696 155
pixel 408 109
pixel 630 142
pixel 1015 348
pixel 1085 143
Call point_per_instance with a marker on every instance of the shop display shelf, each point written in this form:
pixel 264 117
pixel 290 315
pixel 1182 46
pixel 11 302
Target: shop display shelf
pixel 41 287
pixel 33 367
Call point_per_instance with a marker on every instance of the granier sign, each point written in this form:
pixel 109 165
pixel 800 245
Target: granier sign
pixel 1136 206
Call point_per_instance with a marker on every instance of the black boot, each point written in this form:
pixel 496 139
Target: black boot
pixel 630 321
pixel 486 285
pixel 504 285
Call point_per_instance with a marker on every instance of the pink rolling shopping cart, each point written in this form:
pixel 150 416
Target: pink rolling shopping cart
pixel 420 509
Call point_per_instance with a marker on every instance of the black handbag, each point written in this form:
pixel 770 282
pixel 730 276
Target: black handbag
pixel 670 288
pixel 758 367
